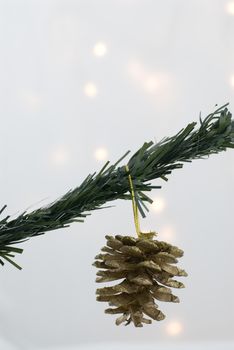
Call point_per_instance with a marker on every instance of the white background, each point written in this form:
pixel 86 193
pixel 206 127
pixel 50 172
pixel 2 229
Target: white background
pixel 65 106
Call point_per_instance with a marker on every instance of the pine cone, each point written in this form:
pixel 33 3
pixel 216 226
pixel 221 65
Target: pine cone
pixel 147 268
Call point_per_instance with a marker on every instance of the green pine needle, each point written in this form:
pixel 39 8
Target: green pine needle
pixel 152 161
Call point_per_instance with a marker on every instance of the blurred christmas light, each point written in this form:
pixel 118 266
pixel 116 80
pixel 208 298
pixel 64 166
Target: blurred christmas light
pixel 60 156
pixel 158 205
pixel 101 154
pixel 230 7
pixel 174 328
pixel 30 99
pixel 151 84
pixel 100 49
pixel 90 90
pixel 167 234
pixel 232 80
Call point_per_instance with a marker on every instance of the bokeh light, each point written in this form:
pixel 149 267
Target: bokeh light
pixel 151 81
pixel 90 90
pixel 158 204
pixel 101 154
pixel 60 155
pixel 100 49
pixel 151 84
pixel 30 99
pixel 174 328
pixel 167 233
pixel 232 80
pixel 230 7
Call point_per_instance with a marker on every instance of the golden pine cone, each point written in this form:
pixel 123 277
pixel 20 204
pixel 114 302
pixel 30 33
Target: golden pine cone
pixel 147 269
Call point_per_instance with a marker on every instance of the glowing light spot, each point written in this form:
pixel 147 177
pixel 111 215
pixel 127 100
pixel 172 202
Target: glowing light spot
pixel 101 154
pixel 60 156
pixel 230 7
pixel 159 205
pixel 151 81
pixel 30 99
pixel 90 90
pixel 167 233
pixel 174 328
pixel 232 80
pixel 100 49
pixel 151 84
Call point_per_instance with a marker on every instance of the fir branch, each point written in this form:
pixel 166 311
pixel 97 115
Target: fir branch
pixel 152 161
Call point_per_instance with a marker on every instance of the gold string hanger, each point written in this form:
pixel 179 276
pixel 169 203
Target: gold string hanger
pixel 140 234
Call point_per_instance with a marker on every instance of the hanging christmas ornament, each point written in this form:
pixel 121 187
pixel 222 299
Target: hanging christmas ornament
pixel 146 267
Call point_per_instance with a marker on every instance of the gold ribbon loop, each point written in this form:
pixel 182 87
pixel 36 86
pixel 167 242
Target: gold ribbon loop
pixel 147 235
pixel 134 204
